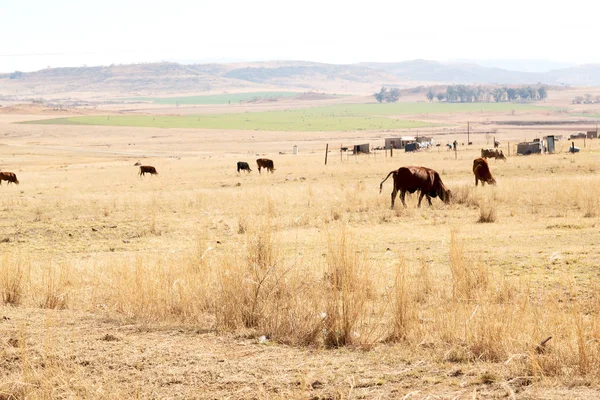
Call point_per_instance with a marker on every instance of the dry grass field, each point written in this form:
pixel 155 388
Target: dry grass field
pixel 301 284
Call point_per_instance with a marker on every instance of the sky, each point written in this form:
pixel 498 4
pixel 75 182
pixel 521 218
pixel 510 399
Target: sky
pixel 36 34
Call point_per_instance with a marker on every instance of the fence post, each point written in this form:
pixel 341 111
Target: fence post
pixel 326 151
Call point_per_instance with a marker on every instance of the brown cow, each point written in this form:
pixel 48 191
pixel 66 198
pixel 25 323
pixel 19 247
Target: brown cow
pixel 147 169
pixel 10 177
pixel 411 179
pixel 482 172
pixel 265 163
pixel 492 153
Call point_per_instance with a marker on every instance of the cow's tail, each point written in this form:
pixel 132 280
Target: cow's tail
pixel 386 178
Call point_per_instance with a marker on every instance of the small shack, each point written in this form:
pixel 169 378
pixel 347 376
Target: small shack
pixel 592 134
pixel 526 148
pixel 399 142
pixel 578 135
pixel 361 148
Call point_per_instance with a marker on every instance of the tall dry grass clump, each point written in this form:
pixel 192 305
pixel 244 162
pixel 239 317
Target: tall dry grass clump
pixel 348 292
pixel 12 279
pixel 404 303
pixel 468 278
pixel 487 212
pixel 259 293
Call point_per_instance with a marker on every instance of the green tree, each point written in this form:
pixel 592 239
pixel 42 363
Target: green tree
pixel 498 94
pixel 393 95
pixel 381 95
pixel 542 94
pixel 441 96
pixel 430 95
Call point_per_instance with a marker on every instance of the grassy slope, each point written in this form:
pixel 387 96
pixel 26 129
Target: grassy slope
pixel 327 118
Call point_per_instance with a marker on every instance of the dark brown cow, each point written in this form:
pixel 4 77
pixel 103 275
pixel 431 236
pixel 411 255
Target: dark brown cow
pixel 147 169
pixel 411 179
pixel 492 153
pixel 265 163
pixel 10 177
pixel 482 172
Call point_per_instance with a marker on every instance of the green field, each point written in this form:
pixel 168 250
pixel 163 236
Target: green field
pixel 217 98
pixel 343 117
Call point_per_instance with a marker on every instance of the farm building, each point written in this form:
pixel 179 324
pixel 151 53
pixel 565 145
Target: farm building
pixel 578 135
pixel 399 142
pixel 361 148
pixel 592 134
pixel 526 148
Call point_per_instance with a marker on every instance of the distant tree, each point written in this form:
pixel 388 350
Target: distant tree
pixel 441 96
pixel 381 95
pixel 578 100
pixel 533 93
pixel 542 94
pixel 393 95
pixel 16 75
pixel 512 94
pixel 588 99
pixel 524 94
pixel 498 94
pixel 430 95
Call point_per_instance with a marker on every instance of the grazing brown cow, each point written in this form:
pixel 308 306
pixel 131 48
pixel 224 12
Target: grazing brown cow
pixel 411 179
pixel 482 172
pixel 265 163
pixel 147 169
pixel 492 153
pixel 10 177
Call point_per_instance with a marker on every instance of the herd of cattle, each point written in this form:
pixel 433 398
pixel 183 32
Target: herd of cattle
pixel 406 179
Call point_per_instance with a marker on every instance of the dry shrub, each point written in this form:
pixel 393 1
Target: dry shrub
pixel 487 212
pixel 404 308
pixel 465 195
pixel 468 278
pixel 346 298
pixel 55 288
pixel 11 279
pixel 261 294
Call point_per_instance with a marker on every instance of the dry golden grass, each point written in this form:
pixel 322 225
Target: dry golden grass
pixel 199 283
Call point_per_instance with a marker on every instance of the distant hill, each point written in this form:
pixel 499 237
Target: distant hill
pixel 159 79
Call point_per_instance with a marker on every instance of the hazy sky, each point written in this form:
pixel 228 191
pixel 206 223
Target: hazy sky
pixel 36 34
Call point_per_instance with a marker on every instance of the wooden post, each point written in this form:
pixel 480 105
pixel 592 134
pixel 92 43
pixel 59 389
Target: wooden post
pixel 456 152
pixel 468 133
pixel 326 150
pixel 341 153
pixel 392 151
pixel 508 149
pixel 573 147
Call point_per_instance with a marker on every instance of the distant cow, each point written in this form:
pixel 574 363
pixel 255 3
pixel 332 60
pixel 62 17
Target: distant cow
pixel 496 144
pixel 147 169
pixel 265 163
pixel 482 173
pixel 243 166
pixel 411 179
pixel 492 153
pixel 10 177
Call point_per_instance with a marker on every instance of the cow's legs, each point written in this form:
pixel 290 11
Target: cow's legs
pixel 476 181
pixel 259 169
pixel 394 194
pixel 420 198
pixel 428 197
pixel 402 196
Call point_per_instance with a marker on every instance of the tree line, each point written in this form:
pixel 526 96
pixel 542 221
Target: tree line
pixel 474 94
